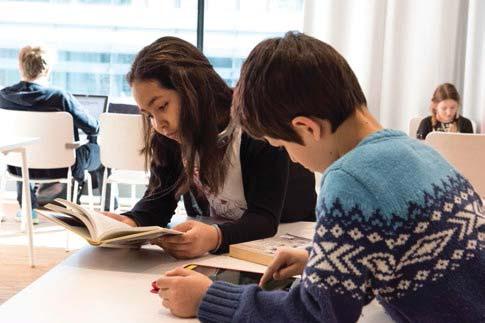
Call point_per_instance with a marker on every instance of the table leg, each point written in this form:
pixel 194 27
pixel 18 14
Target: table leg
pixel 27 206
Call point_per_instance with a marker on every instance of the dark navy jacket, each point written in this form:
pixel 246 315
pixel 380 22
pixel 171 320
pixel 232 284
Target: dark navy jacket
pixel 26 96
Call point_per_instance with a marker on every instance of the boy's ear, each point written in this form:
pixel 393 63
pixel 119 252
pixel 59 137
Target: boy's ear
pixel 309 126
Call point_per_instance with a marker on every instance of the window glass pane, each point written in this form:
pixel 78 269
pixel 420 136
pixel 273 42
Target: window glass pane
pixel 95 40
pixel 234 27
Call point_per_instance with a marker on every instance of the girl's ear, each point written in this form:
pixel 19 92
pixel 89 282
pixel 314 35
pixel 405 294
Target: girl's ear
pixel 306 126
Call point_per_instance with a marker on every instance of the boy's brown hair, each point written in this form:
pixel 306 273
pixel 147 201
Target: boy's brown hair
pixel 296 75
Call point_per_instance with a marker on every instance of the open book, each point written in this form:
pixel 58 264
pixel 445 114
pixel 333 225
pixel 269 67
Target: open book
pixel 98 229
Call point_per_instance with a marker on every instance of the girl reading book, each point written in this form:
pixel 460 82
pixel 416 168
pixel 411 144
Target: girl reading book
pixel 193 153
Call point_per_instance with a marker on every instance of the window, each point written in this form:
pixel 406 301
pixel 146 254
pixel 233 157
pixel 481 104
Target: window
pixel 95 40
pixel 234 27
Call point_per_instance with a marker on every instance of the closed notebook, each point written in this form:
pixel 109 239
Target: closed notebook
pixel 98 229
pixel 263 251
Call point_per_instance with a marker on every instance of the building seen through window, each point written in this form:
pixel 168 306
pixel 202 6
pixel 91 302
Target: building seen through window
pixel 96 40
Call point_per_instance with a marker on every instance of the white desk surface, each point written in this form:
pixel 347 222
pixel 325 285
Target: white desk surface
pixel 15 143
pixel 100 285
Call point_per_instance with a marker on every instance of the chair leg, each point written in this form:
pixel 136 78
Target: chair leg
pixel 3 183
pixel 69 198
pixel 103 188
pixel 133 194
pixel 90 190
pixel 23 209
pixel 69 186
pixel 3 190
pixel 74 191
pixel 67 241
pixel 113 193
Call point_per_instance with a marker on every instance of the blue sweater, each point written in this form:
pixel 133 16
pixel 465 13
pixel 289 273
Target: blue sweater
pixel 396 222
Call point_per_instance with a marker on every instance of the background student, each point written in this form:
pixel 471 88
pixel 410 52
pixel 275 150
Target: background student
pixel 221 172
pixel 445 113
pixel 33 93
pixel 395 220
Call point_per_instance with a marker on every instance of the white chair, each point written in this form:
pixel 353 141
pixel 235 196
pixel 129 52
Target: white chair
pixel 120 141
pixel 464 151
pixel 414 125
pixel 55 149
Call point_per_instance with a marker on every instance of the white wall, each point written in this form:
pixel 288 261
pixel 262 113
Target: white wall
pixel 401 50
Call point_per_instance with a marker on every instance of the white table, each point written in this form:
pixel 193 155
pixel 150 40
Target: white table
pixel 19 145
pixel 100 285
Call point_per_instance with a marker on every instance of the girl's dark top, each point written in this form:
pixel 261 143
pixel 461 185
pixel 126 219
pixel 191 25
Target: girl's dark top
pixel 425 127
pixel 275 189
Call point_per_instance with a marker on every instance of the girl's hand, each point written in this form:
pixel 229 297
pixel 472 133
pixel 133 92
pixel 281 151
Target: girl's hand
pixel 198 239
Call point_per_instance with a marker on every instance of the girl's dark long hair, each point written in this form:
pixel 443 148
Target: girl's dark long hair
pixel 205 101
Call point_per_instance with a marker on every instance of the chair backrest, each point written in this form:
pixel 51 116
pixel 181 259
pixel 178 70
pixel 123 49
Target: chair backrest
pixel 413 126
pixel 121 140
pixel 464 151
pixel 55 130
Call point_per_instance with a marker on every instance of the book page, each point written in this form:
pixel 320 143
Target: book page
pixel 138 238
pixel 66 212
pixel 101 223
pixel 107 228
pixel 68 222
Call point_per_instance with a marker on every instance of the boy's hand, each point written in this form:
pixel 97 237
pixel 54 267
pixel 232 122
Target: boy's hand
pixel 119 217
pixel 182 291
pixel 198 238
pixel 287 263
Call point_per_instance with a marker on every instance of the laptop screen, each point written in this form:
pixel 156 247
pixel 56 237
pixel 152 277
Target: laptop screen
pixel 123 108
pixel 93 104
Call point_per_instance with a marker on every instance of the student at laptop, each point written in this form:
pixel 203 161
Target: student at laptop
pixel 33 93
pixel 445 113
pixel 395 220
pixel 221 172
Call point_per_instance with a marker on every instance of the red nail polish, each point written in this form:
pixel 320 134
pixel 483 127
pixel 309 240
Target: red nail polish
pixel 155 288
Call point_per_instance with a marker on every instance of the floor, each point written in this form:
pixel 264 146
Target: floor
pixel 50 249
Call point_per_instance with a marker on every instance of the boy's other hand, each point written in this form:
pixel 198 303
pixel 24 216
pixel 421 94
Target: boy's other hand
pixel 119 217
pixel 198 238
pixel 287 263
pixel 182 291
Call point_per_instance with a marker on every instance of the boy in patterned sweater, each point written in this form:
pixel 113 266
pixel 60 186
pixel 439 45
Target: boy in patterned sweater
pixel 395 220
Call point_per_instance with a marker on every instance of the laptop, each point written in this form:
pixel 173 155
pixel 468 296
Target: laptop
pixel 123 108
pixel 93 104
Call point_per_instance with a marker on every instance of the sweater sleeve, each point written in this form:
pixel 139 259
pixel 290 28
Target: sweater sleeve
pixel 337 281
pixel 158 207
pixel 466 126
pixel 424 128
pixel 265 176
pixel 81 118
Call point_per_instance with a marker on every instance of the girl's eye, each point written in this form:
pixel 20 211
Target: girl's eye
pixel 163 107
